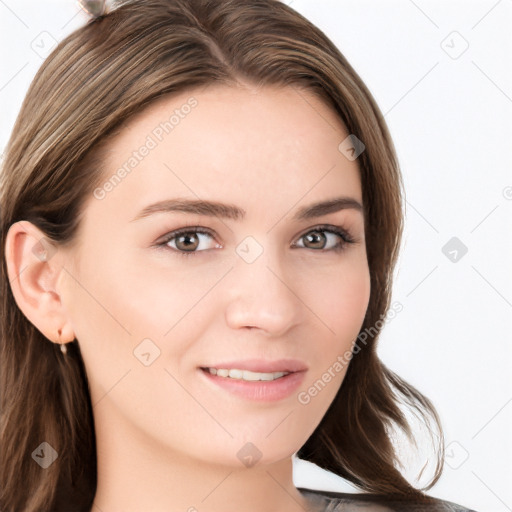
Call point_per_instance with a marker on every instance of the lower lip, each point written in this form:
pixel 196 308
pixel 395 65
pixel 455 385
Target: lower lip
pixel 260 390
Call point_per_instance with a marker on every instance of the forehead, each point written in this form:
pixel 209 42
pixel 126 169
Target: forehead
pixel 273 146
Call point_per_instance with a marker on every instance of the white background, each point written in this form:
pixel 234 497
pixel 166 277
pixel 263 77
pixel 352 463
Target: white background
pixel 450 115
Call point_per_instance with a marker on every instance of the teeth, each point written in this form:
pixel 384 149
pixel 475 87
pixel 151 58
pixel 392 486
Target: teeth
pixel 245 374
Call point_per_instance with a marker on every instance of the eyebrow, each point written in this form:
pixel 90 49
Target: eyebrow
pixel 229 211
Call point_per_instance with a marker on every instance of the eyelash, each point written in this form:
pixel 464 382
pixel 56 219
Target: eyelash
pixel 345 236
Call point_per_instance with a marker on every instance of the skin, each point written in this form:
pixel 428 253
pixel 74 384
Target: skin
pixel 168 439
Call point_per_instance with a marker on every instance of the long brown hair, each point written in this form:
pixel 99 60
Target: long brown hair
pixel 95 79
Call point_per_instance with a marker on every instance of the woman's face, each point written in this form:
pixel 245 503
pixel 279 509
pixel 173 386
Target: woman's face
pixel 150 309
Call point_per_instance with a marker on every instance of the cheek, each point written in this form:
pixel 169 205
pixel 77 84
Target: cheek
pixel 131 301
pixel 110 306
pixel 341 308
pixel 341 300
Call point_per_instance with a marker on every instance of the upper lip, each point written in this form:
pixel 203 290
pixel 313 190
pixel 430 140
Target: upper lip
pixel 262 366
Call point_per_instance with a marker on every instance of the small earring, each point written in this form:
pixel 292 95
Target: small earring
pixel 63 347
pixel 94 8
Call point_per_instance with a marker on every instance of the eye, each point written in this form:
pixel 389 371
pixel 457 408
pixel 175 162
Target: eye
pixel 317 236
pixel 186 240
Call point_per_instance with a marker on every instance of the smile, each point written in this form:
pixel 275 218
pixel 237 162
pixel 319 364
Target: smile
pixel 235 373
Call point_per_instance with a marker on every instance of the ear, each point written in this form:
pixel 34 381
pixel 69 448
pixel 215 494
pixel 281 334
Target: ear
pixel 34 269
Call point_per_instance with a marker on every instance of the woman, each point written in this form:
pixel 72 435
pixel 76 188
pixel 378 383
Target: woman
pixel 201 213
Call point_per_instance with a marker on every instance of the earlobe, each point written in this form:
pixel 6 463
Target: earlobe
pixel 33 268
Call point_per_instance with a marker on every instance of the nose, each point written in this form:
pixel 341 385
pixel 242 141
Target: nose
pixel 261 295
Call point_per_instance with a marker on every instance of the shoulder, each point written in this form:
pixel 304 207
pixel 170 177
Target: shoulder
pixel 329 501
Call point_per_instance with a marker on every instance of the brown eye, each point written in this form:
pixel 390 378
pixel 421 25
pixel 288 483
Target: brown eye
pixel 186 241
pixel 317 238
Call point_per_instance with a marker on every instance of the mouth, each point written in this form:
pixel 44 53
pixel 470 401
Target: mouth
pixel 256 379
pixel 246 375
pixel 255 369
